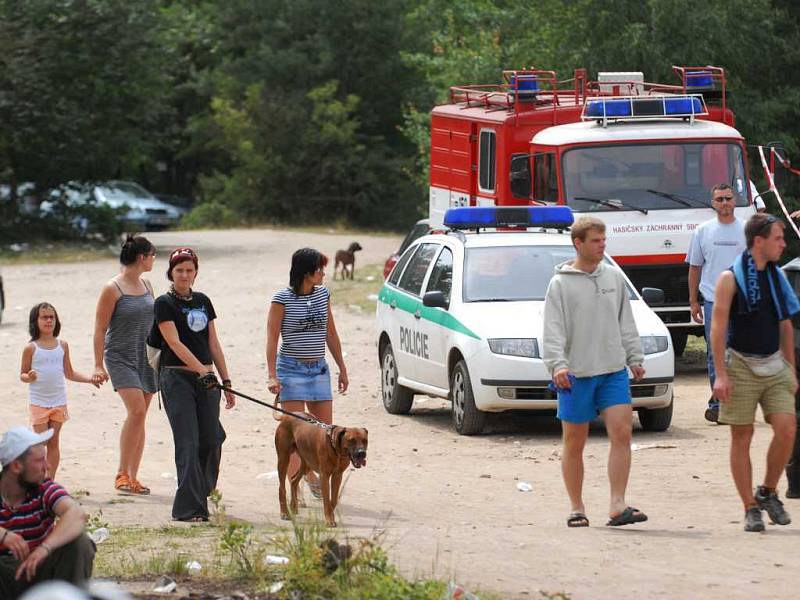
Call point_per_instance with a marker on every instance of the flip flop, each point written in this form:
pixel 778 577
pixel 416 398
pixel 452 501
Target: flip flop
pixel 577 519
pixel 629 516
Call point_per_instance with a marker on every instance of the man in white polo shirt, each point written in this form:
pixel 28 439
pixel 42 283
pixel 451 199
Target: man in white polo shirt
pixel 714 246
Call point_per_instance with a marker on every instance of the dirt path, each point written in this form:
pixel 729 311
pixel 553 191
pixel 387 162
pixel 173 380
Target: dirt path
pixel 449 504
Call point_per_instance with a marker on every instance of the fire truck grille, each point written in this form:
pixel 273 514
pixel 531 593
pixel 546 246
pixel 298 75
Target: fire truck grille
pixel 673 279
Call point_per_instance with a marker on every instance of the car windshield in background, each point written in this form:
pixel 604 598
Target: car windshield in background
pixel 651 176
pixel 124 191
pixel 513 273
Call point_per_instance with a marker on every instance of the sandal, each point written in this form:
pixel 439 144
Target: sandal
pixel 122 483
pixel 137 488
pixel 629 516
pixel 577 519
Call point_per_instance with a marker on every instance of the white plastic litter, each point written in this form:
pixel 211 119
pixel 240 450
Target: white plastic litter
pixel 99 535
pixel 276 587
pixel 456 592
pixel 373 297
pixel 370 277
pixel 524 486
pixel 193 567
pixel 277 560
pixel 165 585
pixel 268 475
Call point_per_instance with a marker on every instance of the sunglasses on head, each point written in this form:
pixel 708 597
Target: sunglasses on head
pixel 183 252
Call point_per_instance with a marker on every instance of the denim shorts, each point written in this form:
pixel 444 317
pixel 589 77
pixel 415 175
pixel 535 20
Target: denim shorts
pixel 301 380
pixel 589 396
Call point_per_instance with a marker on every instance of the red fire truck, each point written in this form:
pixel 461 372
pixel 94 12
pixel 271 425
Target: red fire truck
pixel 641 156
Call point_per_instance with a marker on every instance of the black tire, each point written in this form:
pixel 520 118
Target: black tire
pixel 397 399
pixel 467 419
pixel 679 339
pixel 656 419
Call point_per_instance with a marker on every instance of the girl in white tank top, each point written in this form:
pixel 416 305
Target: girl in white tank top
pixel 45 365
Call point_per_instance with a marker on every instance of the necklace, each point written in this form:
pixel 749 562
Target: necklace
pixel 176 294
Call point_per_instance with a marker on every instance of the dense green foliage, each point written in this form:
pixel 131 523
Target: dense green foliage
pixel 308 111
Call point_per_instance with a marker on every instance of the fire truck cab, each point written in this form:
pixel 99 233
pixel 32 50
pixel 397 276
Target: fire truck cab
pixel 640 156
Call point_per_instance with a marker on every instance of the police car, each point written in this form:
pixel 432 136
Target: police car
pixel 460 317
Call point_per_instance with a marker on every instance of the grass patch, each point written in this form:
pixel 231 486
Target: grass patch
pixel 60 252
pixel 695 352
pixel 320 564
pixel 354 294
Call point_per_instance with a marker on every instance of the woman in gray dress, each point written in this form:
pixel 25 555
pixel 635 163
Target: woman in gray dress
pixel 123 320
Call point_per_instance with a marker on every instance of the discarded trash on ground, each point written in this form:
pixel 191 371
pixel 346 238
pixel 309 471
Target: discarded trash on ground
pixel 276 587
pixel 456 592
pixel 193 567
pixel 165 585
pixel 524 486
pixel 277 560
pixel 99 535
pixel 637 447
pixel 268 475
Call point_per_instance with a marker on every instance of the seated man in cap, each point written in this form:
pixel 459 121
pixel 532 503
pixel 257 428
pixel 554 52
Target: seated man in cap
pixel 41 527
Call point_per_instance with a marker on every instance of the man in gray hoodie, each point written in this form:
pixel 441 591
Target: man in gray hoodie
pixel 589 339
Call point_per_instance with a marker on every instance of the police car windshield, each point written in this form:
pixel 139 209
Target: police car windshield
pixel 651 176
pixel 513 273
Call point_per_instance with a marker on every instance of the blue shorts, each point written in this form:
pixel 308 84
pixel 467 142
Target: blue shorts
pixel 589 396
pixel 301 380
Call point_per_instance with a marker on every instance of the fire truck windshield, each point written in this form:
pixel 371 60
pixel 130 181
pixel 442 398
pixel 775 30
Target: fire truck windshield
pixel 654 176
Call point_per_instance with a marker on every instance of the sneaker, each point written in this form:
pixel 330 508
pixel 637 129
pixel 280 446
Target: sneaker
pixel 712 413
pixel 753 520
pixel 769 502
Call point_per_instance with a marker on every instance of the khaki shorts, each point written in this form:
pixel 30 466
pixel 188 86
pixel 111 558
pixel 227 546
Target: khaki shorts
pixel 775 394
pixel 42 416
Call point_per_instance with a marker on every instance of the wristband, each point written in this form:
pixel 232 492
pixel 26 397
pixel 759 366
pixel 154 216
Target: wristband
pixel 46 547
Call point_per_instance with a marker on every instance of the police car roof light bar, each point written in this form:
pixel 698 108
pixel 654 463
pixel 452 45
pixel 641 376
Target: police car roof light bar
pixel 484 217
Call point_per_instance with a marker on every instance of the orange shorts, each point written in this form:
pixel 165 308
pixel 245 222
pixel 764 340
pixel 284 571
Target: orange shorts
pixel 42 416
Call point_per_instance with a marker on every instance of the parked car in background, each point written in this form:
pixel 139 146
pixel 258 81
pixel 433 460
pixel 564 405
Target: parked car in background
pixel 138 209
pixel 420 228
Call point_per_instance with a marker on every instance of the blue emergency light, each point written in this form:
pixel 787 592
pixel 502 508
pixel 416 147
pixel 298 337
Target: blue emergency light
pixel 525 83
pixel 699 79
pixel 644 107
pixel 477 217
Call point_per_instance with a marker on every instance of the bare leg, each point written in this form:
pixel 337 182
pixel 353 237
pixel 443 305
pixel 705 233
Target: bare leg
pixel 53 446
pixel 619 421
pixel 574 438
pixel 741 468
pixel 131 438
pixel 784 426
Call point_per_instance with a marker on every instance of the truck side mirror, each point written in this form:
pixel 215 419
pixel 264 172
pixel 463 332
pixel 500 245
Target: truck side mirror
pixel 653 296
pixel 520 176
pixel 435 299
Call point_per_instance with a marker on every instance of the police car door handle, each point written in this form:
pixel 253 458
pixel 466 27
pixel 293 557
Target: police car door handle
pixel 418 314
pixel 393 304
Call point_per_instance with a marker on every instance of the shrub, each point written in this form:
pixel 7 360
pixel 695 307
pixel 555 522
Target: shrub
pixel 210 215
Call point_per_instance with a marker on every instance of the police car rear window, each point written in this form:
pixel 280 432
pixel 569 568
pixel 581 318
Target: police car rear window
pixel 512 273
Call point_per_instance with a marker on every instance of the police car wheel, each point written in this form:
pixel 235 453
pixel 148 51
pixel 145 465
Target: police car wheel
pixel 656 419
pixel 397 399
pixel 467 419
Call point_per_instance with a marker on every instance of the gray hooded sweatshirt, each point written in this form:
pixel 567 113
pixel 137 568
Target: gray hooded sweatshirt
pixel 588 322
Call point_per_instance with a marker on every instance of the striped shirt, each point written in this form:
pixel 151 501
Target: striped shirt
pixel 34 518
pixel 305 323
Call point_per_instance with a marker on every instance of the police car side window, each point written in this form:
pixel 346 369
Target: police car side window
pixel 441 279
pixel 398 268
pixel 414 275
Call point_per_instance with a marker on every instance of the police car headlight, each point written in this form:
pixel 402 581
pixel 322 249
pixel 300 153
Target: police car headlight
pixel 526 347
pixel 654 343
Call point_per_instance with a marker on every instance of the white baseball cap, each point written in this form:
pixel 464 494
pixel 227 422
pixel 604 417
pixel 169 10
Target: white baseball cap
pixel 17 440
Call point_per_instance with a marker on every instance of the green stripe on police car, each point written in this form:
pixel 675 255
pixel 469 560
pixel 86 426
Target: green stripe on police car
pixel 411 305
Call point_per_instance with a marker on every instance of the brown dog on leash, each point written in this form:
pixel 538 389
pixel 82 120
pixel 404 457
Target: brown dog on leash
pixel 326 451
pixel 347 258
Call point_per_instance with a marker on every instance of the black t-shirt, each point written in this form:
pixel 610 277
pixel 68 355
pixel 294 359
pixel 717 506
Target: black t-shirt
pixel 757 332
pixel 191 319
